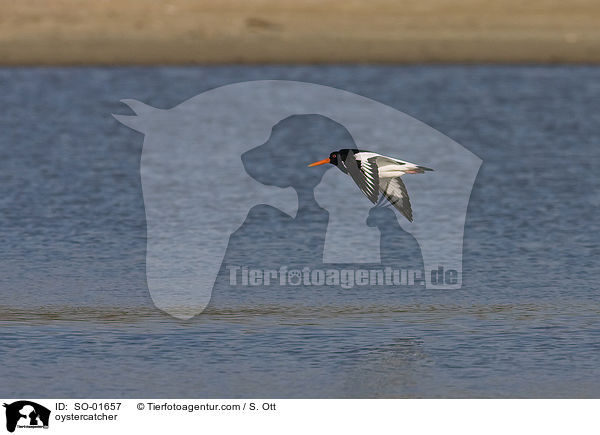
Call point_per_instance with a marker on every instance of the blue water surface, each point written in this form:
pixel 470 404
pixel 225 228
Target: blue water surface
pixel 77 319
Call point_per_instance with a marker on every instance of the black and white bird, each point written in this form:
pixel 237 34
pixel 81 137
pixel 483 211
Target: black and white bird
pixel 374 174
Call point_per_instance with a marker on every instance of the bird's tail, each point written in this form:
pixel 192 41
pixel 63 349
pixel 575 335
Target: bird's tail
pixel 417 169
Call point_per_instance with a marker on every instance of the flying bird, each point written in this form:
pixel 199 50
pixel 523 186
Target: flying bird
pixel 374 174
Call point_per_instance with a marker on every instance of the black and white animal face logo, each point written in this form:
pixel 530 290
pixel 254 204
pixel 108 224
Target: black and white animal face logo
pixel 26 414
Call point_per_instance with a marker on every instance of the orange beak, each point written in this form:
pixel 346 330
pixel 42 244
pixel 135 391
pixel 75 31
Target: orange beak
pixel 320 162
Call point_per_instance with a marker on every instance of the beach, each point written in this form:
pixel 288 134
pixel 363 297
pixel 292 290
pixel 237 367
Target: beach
pixel 126 32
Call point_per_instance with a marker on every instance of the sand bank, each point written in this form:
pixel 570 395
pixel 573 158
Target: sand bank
pixel 67 32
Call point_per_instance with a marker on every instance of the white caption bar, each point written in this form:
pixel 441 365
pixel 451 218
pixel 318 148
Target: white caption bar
pixel 267 416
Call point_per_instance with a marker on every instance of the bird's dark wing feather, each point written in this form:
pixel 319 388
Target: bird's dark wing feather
pixel 366 176
pixel 395 192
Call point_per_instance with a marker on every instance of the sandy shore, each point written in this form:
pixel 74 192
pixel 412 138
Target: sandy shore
pixel 34 32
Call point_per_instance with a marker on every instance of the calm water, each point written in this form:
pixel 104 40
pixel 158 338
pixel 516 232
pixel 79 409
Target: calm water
pixel 76 315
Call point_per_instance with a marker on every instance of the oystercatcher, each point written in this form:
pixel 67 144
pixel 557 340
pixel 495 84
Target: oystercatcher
pixel 375 173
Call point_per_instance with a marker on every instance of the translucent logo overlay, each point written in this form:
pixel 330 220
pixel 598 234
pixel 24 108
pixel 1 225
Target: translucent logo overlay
pixel 217 161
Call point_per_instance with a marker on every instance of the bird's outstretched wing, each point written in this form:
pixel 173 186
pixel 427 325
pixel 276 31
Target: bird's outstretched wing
pixel 366 176
pixel 395 192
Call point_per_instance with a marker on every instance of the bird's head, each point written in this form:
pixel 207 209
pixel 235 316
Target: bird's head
pixel 333 159
pixel 337 157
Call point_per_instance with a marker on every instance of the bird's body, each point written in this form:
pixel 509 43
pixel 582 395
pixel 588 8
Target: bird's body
pixel 375 173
